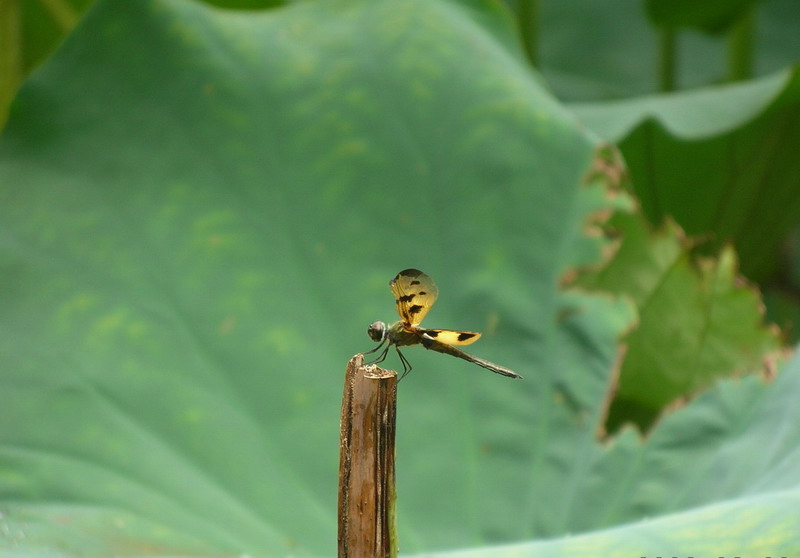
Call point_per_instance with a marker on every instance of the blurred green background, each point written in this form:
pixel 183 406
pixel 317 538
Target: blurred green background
pixel 201 206
pixel 589 53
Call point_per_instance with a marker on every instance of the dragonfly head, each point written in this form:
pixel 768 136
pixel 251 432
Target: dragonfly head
pixel 377 331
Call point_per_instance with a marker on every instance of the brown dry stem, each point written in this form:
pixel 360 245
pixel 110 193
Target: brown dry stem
pixel 366 462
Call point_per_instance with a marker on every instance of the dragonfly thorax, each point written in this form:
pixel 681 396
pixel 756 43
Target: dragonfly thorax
pixel 377 331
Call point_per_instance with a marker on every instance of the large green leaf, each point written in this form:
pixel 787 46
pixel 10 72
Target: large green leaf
pixel 720 161
pixel 698 322
pixel 589 50
pixel 199 214
pixel 592 51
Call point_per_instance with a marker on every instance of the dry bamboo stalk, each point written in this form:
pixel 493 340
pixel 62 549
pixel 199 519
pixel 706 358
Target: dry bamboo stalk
pixel 366 462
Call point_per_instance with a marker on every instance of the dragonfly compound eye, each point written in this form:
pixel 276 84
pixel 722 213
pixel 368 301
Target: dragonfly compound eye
pixel 376 331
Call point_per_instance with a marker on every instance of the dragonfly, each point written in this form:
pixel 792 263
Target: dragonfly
pixel 414 295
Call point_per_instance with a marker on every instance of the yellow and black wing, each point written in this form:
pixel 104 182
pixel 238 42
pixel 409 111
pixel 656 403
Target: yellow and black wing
pixel 450 337
pixel 414 294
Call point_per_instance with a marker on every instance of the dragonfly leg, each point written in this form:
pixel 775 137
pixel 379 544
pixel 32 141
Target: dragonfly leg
pixel 378 346
pixel 406 364
pixel 381 357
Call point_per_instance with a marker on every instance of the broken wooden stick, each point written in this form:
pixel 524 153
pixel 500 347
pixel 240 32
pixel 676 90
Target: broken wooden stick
pixel 366 462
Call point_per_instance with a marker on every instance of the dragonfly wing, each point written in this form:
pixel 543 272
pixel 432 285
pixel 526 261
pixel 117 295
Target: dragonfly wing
pixel 450 337
pixel 440 347
pixel 414 294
